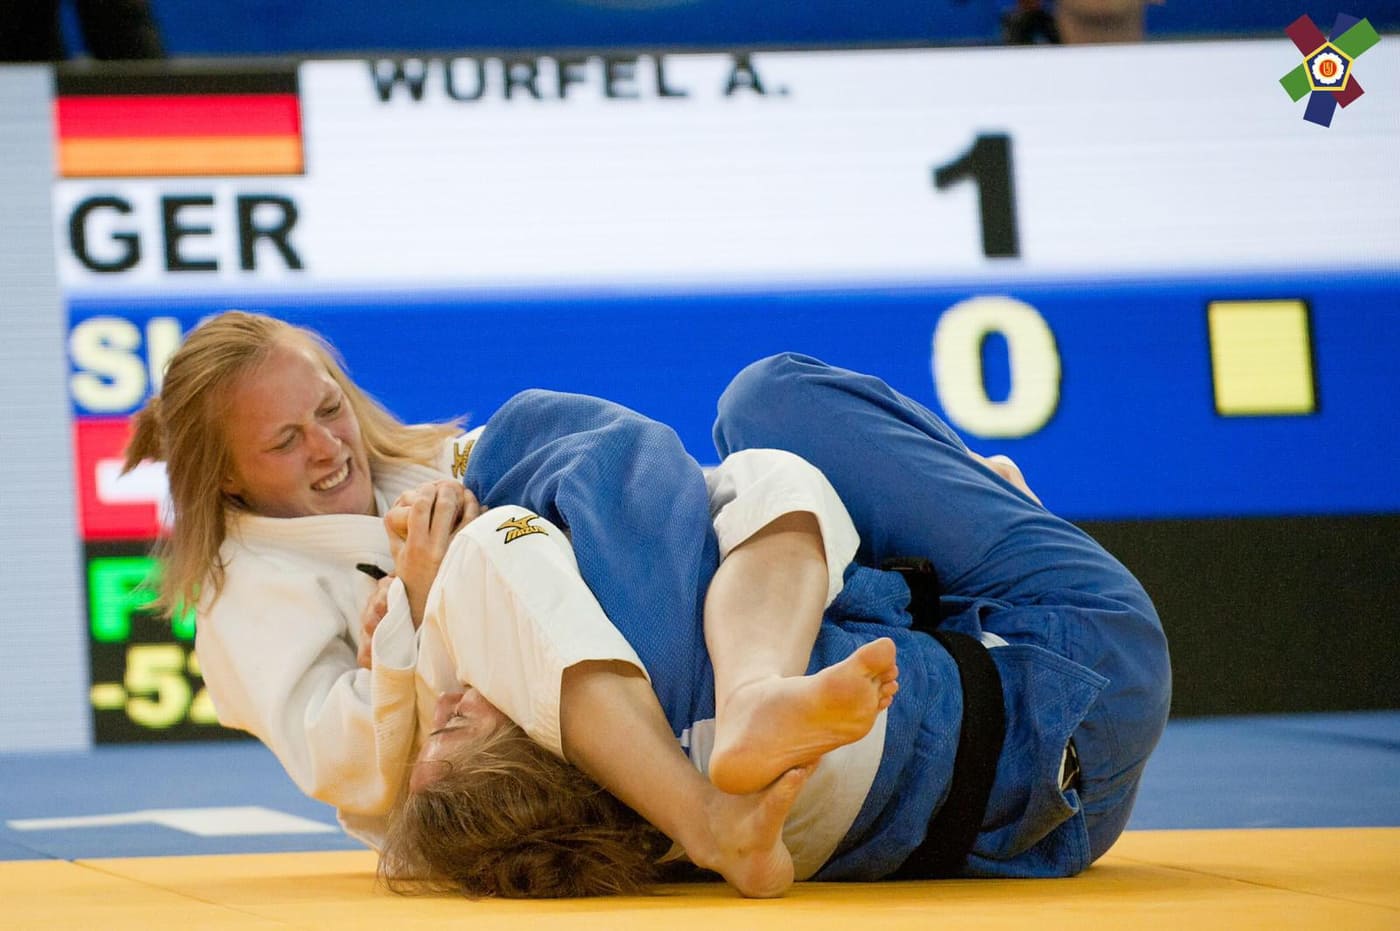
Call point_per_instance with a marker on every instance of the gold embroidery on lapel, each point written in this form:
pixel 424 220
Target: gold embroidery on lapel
pixel 460 455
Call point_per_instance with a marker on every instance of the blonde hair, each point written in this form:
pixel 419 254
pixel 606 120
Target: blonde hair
pixel 511 819
pixel 183 427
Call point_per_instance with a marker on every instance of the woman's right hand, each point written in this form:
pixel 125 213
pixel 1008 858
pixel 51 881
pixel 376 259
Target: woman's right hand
pixel 421 525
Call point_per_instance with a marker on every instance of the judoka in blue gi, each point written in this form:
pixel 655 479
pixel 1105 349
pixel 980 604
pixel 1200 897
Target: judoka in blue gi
pixel 1033 670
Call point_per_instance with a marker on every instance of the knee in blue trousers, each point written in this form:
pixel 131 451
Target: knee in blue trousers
pixel 912 491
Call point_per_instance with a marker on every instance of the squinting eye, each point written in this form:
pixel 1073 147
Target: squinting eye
pixel 332 410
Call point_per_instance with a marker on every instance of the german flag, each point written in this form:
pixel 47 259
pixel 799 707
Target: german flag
pixel 143 125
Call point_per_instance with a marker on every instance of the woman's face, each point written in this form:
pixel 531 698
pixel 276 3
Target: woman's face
pixel 460 719
pixel 295 442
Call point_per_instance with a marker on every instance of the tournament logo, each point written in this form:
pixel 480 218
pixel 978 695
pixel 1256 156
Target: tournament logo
pixel 1325 72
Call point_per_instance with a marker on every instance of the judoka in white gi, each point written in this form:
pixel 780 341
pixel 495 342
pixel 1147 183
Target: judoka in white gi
pixel 280 467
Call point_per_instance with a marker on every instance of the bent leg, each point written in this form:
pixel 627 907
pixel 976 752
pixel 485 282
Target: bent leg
pixel 913 489
pixel 614 731
pixel 762 615
pixel 911 485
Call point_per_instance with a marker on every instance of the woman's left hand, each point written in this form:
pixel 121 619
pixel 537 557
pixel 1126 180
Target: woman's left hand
pixel 420 526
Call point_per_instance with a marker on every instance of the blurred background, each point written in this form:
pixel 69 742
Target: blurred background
pixel 321 27
pixel 1130 263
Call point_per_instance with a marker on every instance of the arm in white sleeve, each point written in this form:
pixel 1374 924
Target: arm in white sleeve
pixel 513 612
pixel 754 487
pixel 276 658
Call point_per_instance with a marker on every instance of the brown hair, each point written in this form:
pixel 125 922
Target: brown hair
pixel 511 819
pixel 182 426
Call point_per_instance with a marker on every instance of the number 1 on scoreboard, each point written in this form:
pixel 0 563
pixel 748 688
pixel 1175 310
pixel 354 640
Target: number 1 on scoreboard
pixel 988 164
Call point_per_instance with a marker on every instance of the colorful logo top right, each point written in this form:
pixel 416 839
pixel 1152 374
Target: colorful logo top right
pixel 1325 73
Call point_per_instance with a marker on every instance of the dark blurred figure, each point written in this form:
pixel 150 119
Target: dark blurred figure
pixel 1075 22
pixel 30 30
pixel 1029 24
pixel 1086 21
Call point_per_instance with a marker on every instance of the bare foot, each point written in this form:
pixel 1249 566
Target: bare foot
pixel 771 725
pixel 747 837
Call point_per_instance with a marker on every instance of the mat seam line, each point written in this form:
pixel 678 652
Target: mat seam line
pixel 1254 882
pixel 88 865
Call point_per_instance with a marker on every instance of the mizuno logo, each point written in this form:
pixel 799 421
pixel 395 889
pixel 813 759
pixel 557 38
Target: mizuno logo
pixel 460 455
pixel 520 527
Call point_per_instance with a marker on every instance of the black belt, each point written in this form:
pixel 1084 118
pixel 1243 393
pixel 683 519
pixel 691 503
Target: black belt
pixel 954 826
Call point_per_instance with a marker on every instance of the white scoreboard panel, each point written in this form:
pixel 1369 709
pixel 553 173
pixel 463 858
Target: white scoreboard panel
pixel 871 167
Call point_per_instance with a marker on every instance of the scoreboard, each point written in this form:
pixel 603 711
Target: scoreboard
pixel 1136 270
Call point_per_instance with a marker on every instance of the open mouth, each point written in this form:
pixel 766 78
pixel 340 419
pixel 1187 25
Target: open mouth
pixel 339 477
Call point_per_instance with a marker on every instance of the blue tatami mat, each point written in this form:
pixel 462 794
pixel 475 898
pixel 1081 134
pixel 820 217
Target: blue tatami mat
pixel 139 782
pixel 1326 770
pixel 1274 771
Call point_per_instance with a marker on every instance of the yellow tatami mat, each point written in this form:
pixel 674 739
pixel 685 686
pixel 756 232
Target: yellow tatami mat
pixel 1306 878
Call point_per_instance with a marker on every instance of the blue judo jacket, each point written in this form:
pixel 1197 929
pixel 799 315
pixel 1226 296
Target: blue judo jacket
pixel 636 507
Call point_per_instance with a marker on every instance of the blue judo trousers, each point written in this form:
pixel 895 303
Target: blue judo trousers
pixel 1085 654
